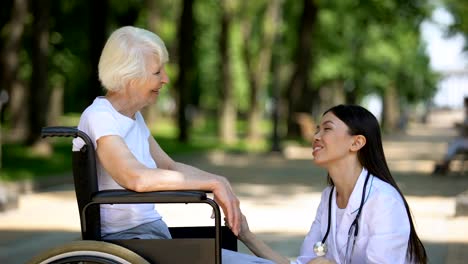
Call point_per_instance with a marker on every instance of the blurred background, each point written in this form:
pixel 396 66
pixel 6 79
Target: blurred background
pixel 247 77
pixel 244 74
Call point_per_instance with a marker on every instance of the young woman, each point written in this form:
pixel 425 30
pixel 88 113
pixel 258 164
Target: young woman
pixel 362 216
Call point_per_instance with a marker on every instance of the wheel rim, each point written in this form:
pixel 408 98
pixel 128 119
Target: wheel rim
pixel 85 256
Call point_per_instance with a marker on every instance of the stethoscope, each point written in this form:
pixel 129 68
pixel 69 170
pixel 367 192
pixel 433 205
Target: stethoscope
pixel 320 248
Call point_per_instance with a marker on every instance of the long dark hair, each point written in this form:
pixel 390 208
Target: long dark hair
pixel 362 122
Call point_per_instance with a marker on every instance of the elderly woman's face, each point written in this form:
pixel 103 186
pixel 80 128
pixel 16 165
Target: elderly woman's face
pixel 148 90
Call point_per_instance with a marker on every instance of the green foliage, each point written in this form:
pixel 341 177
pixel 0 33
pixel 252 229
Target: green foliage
pixel 21 162
pixel 362 47
pixel 204 137
pixel 459 11
pixel 373 45
pixel 239 71
pixel 69 60
pixel 207 14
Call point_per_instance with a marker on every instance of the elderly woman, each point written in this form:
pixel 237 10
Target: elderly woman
pixel 131 69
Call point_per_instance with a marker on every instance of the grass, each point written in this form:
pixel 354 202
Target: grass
pixel 21 162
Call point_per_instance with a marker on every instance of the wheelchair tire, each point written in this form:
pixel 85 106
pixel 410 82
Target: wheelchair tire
pixel 88 251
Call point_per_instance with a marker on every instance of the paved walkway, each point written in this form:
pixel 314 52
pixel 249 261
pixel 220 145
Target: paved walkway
pixel 278 194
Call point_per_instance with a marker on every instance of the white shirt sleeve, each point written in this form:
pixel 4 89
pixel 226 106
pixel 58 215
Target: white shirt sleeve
pixel 96 125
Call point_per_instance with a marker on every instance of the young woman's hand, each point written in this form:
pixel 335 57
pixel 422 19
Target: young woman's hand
pixel 321 260
pixel 244 228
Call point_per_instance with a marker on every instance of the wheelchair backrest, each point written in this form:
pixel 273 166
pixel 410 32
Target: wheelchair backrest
pixel 86 185
pixel 84 177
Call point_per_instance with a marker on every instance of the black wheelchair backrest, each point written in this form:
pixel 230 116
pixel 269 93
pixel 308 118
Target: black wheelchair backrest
pixel 84 177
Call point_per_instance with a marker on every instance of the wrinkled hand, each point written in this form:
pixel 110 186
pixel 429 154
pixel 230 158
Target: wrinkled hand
pixel 227 200
pixel 321 260
pixel 244 229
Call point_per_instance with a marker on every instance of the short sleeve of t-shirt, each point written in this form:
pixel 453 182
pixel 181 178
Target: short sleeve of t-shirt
pixel 99 120
pixel 99 124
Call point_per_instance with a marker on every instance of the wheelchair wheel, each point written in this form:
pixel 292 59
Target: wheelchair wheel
pixel 88 251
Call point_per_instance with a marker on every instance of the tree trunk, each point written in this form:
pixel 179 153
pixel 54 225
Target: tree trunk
pixel 18 107
pixel 98 25
pixel 298 85
pixel 9 65
pixel 258 73
pixel 390 109
pixel 351 94
pixel 151 112
pixel 186 69
pixel 55 110
pixel 38 87
pixel 330 95
pixel 227 108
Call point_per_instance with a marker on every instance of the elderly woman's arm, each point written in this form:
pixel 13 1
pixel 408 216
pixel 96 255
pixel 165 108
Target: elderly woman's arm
pixel 127 171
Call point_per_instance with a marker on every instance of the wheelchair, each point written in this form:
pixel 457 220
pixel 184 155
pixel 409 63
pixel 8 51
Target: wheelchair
pixel 194 244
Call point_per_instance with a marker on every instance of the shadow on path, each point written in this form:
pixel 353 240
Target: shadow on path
pixel 19 246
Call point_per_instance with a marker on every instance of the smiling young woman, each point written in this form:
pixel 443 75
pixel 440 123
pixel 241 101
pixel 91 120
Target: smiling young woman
pixel 362 216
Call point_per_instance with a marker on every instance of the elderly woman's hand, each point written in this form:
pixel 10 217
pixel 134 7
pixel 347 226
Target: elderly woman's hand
pixel 321 260
pixel 227 200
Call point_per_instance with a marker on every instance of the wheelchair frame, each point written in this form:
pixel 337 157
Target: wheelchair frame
pixel 199 244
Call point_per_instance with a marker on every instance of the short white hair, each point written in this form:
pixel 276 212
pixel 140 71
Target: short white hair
pixel 126 56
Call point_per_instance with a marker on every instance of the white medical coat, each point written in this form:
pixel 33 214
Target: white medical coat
pixel 384 226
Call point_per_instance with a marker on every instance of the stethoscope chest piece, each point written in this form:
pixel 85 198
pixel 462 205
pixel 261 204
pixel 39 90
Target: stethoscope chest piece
pixel 320 248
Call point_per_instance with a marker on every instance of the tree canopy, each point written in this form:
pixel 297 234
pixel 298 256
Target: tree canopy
pixel 226 58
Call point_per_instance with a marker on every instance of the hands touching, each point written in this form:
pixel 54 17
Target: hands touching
pixel 225 197
pixel 321 260
pixel 244 229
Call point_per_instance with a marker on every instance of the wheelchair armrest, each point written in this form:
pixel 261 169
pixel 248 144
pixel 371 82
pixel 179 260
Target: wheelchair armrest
pixel 131 197
pixel 126 196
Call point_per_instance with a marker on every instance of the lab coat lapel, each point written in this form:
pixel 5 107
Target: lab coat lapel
pixel 356 195
pixel 349 215
pixel 333 243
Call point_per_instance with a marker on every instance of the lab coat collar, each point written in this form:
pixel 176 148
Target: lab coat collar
pixel 339 237
pixel 356 196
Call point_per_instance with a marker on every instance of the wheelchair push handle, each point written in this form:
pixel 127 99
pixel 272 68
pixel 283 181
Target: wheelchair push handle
pixel 59 131
pixel 64 131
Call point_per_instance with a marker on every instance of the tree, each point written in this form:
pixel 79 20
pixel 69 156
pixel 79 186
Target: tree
pixel 10 65
pixel 38 92
pixel 369 50
pixel 153 20
pixel 97 39
pixel 186 69
pixel 10 51
pixel 226 106
pixel 258 36
pixel 298 86
pixel 458 9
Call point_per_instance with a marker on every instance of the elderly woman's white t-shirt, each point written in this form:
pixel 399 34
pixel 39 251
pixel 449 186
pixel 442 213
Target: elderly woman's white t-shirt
pixel 101 119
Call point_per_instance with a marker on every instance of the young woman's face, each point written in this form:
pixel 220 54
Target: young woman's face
pixel 332 141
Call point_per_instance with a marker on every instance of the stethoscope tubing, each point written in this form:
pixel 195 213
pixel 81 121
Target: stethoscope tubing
pixel 354 223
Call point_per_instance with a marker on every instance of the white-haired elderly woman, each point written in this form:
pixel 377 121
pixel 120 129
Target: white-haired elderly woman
pixel 132 70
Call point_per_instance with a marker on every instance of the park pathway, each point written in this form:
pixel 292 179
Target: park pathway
pixel 279 195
